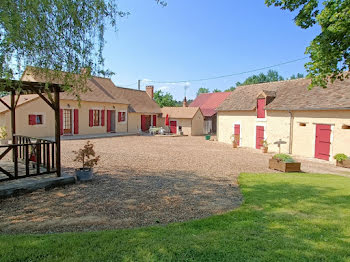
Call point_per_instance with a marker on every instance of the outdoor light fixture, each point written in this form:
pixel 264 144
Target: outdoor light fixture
pixel 68 105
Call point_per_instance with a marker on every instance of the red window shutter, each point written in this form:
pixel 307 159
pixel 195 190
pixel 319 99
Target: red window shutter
pixel 32 120
pixel 119 116
pixel 61 121
pixel 76 121
pixel 154 120
pixel 102 117
pixel 91 117
pixel 261 108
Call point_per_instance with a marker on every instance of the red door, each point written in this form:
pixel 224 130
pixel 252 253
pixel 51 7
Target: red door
pixel 323 141
pixel 259 136
pixel 238 132
pixel 173 127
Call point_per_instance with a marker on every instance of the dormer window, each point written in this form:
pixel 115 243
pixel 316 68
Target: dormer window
pixel 261 107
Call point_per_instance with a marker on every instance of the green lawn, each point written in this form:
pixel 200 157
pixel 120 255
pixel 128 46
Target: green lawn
pixel 285 217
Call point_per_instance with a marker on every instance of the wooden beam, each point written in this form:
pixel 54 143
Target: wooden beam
pixel 17 99
pixel 13 131
pixel 57 132
pixel 5 104
pixel 45 99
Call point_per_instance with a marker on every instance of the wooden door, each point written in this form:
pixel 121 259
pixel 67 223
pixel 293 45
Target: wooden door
pixel 67 121
pixel 323 142
pixel 173 127
pixel 111 121
pixel 238 132
pixel 259 136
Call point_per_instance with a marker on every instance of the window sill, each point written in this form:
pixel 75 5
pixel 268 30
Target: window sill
pixel 261 119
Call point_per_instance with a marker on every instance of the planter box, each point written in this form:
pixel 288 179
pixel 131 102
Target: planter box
pixel 284 167
pixel 344 163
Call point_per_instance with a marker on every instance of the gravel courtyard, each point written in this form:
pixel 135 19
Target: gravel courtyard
pixel 140 181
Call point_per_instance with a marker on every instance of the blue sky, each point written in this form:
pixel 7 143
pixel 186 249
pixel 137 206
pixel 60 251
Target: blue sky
pixel 194 39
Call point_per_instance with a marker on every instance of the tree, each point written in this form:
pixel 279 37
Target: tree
pixel 164 99
pixel 60 35
pixel 297 76
pixel 202 90
pixel 216 90
pixel 330 50
pixel 232 88
pixel 271 76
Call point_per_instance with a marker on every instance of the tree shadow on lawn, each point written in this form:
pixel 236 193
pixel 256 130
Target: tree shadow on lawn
pixel 127 198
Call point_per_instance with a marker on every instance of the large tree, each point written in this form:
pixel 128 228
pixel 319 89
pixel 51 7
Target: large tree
pixel 164 99
pixel 55 35
pixel 330 50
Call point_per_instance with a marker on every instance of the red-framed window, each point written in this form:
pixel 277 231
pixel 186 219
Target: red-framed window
pixel 96 117
pixel 35 120
pixel 261 107
pixel 121 116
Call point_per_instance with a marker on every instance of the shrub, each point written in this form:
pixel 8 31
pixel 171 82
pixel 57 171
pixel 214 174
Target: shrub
pixel 86 156
pixel 340 157
pixel 284 158
pixel 3 132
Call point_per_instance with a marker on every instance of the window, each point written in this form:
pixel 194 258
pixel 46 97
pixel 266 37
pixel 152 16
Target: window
pixel 121 116
pixel 261 107
pixel 302 124
pixel 35 120
pixel 345 127
pixel 96 117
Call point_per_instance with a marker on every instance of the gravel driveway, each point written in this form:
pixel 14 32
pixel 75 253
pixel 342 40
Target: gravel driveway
pixel 140 181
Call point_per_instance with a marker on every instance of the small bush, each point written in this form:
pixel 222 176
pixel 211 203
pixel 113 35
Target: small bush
pixel 284 158
pixel 86 156
pixel 340 157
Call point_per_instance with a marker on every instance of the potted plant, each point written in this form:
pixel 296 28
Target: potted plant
pixel 235 140
pixel 88 158
pixel 342 160
pixel 3 135
pixel 284 163
pixel 264 146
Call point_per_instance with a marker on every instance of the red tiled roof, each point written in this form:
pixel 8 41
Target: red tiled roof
pixel 209 102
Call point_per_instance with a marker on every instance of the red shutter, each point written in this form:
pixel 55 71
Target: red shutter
pixel 119 116
pixel 238 132
pixel 32 120
pixel 259 136
pixel 102 117
pixel 261 107
pixel 91 117
pixel 109 120
pixel 61 121
pixel 76 121
pixel 154 120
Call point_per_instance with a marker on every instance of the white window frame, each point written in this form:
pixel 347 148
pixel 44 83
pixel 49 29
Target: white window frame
pixel 126 117
pixel 36 114
pixel 100 118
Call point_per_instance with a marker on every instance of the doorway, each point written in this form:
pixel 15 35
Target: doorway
pixel 67 121
pixel 111 127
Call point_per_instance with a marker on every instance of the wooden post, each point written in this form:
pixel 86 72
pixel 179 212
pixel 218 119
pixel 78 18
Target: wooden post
pixel 57 131
pixel 13 132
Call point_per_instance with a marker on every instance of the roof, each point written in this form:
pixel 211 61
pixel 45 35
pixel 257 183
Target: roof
pixel 22 100
pixel 295 95
pixel 209 102
pixel 180 112
pixel 105 91
pixel 291 95
pixel 244 97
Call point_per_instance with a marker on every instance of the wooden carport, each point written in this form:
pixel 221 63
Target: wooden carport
pixel 47 154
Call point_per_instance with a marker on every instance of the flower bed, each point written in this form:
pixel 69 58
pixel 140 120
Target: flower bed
pixel 284 163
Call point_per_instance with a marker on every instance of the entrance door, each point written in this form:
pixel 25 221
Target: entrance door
pixel 323 142
pixel 67 121
pixel 111 121
pixel 238 132
pixel 208 124
pixel 259 136
pixel 145 122
pixel 173 127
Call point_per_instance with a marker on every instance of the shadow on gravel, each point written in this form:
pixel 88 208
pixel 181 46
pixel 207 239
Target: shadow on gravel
pixel 127 198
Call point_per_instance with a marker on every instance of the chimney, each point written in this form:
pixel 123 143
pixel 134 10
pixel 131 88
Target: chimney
pixel 149 91
pixel 184 103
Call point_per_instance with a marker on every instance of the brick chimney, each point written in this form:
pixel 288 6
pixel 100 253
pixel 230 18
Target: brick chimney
pixel 149 91
pixel 184 103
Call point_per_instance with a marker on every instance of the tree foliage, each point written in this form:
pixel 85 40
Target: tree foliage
pixel 202 90
pixel 271 76
pixel 330 50
pixel 61 35
pixel 164 99
pixel 297 76
pixel 216 90
pixel 232 88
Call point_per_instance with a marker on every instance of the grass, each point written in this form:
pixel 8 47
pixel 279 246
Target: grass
pixel 285 217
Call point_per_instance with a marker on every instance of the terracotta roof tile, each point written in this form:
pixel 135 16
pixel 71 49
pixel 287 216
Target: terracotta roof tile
pixel 209 102
pixel 180 112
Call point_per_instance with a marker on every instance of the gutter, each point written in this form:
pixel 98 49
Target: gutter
pixel 291 125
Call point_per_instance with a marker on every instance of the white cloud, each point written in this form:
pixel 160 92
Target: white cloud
pixel 163 88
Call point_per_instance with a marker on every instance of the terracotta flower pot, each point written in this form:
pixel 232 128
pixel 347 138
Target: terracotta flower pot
pixel 344 163
pixel 264 149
